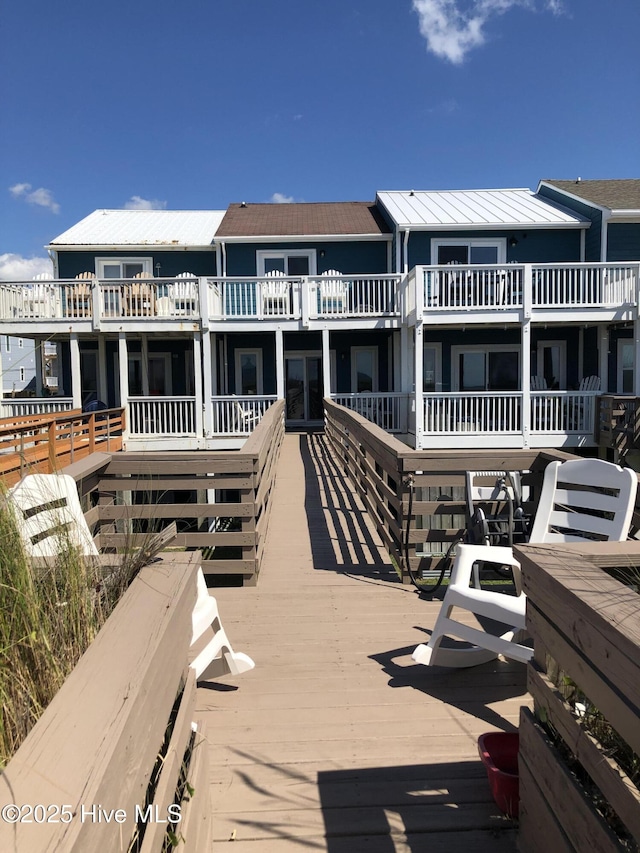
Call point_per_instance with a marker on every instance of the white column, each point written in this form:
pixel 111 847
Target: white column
pixel 603 357
pixel 525 368
pixel 326 364
pixel 123 368
pixel 279 364
pixel 103 388
pixel 144 358
pixel 207 380
pixel 418 369
pixel 197 377
pixel 38 356
pixel 76 376
pixel 405 360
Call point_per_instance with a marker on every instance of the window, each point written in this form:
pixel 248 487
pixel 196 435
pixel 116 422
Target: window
pixel 7 343
pixel 472 251
pixel 486 368
pixel 123 267
pixel 625 366
pixel 248 371
pixel 432 368
pixel 158 378
pixel 22 374
pixel 20 343
pixel 293 262
pixel 364 369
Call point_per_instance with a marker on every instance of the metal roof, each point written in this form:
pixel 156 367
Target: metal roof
pixel 476 209
pixel 126 228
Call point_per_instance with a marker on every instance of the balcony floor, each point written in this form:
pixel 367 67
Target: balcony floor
pixel 336 741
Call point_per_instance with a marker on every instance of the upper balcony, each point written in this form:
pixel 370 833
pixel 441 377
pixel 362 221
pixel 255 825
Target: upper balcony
pixel 164 304
pixel 514 292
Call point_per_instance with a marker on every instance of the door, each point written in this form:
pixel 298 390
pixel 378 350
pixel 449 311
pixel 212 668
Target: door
pixel 303 387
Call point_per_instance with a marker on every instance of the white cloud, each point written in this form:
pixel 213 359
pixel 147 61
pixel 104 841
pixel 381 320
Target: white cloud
pixel 451 33
pixel 136 202
pixel 41 196
pixel 281 198
pixel 16 268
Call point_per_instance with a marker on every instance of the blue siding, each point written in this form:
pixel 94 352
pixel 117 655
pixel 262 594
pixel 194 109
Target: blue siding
pixel 348 257
pixel 623 241
pixel 593 234
pixel 539 245
pixel 72 264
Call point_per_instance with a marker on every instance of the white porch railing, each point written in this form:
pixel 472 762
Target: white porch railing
pixel 564 412
pixel 165 416
pixel 386 409
pixel 455 287
pixel 239 415
pixel 15 407
pixel 465 412
pixel 458 287
pixel 252 298
pixel 587 285
pixel 350 296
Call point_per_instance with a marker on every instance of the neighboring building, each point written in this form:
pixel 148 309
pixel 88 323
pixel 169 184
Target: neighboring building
pixel 496 299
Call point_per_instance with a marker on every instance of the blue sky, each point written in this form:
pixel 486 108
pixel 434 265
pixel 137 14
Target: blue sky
pixel 199 103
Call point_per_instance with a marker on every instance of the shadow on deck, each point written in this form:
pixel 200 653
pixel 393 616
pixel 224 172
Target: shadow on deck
pixel 336 741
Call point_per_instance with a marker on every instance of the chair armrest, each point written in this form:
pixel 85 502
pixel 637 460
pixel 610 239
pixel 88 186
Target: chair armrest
pixel 469 554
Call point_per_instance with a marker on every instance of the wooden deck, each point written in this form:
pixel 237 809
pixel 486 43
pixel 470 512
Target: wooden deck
pixel 336 741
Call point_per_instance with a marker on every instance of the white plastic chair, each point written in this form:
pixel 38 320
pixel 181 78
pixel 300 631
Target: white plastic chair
pixel 333 293
pixel 275 294
pixel 183 295
pixel 538 383
pixel 581 500
pixel 217 657
pixel 49 510
pixel 245 419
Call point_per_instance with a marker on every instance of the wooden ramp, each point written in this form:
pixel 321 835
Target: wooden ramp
pixel 336 741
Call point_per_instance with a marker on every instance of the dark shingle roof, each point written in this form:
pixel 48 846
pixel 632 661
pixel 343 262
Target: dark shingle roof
pixel 622 194
pixel 300 219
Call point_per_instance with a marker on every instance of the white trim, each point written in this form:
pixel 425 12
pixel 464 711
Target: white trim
pixel 499 243
pixel 238 353
pixel 307 238
pixel 457 351
pixel 263 254
pixel 147 264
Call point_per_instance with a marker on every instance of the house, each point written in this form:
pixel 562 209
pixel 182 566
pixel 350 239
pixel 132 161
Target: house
pixel 498 300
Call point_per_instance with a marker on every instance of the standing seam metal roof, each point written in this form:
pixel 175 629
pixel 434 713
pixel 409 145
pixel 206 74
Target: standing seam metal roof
pixel 510 208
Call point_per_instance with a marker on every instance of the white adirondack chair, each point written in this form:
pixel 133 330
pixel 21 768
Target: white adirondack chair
pixel 183 295
pixel 589 383
pixel 333 293
pixel 538 383
pixel 275 294
pixel 49 509
pixel 581 500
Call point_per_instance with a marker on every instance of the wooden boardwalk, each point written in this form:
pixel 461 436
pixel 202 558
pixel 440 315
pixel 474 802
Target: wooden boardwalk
pixel 336 741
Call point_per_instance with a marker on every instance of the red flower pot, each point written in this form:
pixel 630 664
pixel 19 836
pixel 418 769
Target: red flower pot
pixel 499 754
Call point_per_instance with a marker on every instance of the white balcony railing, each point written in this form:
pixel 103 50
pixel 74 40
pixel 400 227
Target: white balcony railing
pixel 386 409
pixel 460 288
pixel 586 285
pixel 162 416
pixel 239 415
pixel 351 296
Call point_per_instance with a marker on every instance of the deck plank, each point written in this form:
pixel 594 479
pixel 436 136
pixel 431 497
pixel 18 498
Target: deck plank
pixel 337 741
